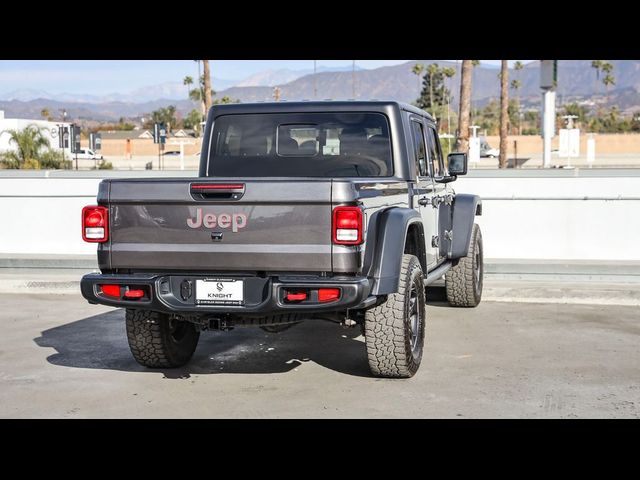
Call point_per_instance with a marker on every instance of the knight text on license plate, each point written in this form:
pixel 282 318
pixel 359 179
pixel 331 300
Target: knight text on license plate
pixel 220 291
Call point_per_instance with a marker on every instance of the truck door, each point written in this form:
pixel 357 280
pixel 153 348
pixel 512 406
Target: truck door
pixel 423 191
pixel 442 196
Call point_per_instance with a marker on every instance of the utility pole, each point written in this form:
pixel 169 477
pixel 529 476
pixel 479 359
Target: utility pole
pixel 62 133
pixel 548 83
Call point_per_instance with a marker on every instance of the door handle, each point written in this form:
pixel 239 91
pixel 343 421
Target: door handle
pixel 424 201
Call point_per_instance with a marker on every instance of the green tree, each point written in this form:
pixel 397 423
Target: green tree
pixel 192 120
pixel 449 73
pixel 434 92
pixel 46 114
pixel 29 143
pixel 596 65
pixel 187 82
pixel 418 70
pixel 224 100
pixel 166 115
pixel 579 111
pixel 516 84
pixel 608 79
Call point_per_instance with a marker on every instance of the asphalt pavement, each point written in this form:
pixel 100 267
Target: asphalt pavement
pixel 61 357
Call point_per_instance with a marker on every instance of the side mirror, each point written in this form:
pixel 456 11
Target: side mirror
pixel 457 164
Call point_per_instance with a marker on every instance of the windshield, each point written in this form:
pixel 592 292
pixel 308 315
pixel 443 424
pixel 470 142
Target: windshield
pixel 301 145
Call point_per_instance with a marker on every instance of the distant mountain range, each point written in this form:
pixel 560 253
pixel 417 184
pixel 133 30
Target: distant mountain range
pixel 169 90
pixel 576 81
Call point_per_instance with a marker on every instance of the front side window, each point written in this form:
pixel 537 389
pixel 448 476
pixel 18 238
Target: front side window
pixel 435 154
pixel 301 145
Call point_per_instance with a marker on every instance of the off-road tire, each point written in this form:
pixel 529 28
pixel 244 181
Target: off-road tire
pixel 464 281
pixel 157 341
pixel 392 348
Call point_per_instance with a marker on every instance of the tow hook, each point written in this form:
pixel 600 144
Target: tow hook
pixel 348 322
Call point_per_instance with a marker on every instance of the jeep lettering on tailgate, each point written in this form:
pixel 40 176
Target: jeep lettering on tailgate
pixel 224 220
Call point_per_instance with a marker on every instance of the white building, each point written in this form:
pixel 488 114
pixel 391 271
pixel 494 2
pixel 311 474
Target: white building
pixel 50 131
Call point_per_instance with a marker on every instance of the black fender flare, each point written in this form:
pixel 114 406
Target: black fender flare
pixel 465 208
pixel 385 241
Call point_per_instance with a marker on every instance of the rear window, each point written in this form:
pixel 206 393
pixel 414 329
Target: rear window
pixel 301 145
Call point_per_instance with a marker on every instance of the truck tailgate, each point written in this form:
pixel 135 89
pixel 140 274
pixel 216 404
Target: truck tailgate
pixel 222 225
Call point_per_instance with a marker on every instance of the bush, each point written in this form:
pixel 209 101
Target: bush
pixel 52 159
pixel 31 164
pixel 104 165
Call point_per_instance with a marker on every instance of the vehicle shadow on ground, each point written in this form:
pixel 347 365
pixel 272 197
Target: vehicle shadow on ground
pixel 436 297
pixel 100 342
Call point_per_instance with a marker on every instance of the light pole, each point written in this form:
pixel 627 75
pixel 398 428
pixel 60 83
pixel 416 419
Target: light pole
pixel 548 83
pixel 315 86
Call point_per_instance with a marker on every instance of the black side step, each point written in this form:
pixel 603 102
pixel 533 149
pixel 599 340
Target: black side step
pixel 437 273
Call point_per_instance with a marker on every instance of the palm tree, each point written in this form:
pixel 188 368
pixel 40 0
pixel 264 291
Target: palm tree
pixel 597 65
pixel 418 70
pixel 28 141
pixel 448 72
pixel 608 79
pixel 517 85
pixel 504 112
pixel 207 86
pixel 45 113
pixel 188 81
pixel 466 77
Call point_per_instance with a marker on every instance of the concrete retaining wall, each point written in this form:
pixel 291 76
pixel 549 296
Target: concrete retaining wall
pixel 537 218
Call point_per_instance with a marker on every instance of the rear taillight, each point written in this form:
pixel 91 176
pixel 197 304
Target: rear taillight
pixel 111 290
pixel 347 226
pixel 328 294
pixel 95 224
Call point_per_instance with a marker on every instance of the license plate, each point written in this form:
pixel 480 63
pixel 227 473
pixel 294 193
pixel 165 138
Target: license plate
pixel 220 291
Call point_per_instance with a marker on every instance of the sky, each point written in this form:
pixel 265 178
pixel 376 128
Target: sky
pixel 99 77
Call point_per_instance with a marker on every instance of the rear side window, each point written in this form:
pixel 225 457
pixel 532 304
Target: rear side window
pixel 420 152
pixel 301 145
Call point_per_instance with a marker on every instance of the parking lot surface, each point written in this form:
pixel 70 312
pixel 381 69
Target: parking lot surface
pixel 61 357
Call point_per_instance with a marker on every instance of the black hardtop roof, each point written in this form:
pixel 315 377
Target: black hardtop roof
pixel 316 106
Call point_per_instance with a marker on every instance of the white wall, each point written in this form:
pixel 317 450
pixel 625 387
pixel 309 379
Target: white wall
pixel 49 129
pixel 549 218
pixel 42 216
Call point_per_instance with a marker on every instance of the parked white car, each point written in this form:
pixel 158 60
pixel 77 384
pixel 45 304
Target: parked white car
pixel 486 150
pixel 87 154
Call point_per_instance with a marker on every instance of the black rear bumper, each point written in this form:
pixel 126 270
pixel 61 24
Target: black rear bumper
pixel 263 295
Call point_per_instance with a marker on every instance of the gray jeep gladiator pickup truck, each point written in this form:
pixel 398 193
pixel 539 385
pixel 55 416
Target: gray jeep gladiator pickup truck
pixel 340 211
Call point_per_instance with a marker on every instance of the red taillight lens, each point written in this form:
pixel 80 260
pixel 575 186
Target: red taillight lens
pixel 296 296
pixel 347 226
pixel 328 294
pixel 95 224
pixel 111 290
pixel 134 294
